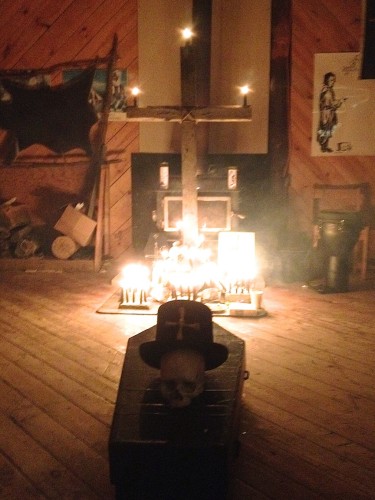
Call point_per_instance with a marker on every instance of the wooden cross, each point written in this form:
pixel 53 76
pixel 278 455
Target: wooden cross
pixel 189 114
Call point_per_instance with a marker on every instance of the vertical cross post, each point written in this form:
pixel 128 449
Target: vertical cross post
pixel 189 146
pixel 194 114
pixel 189 183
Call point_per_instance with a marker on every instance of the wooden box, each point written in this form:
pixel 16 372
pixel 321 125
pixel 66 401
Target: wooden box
pixel 76 225
pixel 156 452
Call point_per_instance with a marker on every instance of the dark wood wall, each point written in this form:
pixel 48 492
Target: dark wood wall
pixel 319 27
pixel 40 33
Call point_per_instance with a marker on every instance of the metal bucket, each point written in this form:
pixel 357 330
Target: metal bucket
pixel 339 232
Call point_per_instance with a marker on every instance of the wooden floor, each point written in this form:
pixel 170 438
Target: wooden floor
pixel 308 417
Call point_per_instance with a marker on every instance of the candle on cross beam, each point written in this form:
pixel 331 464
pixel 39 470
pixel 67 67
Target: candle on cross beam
pixel 244 91
pixel 188 69
pixel 187 35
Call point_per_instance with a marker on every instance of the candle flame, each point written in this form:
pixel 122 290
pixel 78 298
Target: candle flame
pixel 187 34
pixel 135 276
pixel 245 89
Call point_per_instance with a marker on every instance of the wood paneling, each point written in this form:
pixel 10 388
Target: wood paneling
pixel 308 408
pixel 318 27
pixel 49 33
pixel 44 189
pixel 40 33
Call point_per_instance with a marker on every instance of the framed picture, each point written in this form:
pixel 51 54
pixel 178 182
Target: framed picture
pixel 343 107
pixel 118 97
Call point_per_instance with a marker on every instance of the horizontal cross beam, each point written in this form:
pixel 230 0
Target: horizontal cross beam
pixel 193 114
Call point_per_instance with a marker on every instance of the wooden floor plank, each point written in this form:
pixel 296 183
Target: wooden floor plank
pixel 333 452
pixel 70 416
pixel 350 428
pixel 285 373
pixel 306 427
pixel 96 406
pixel 49 434
pixel 264 477
pixel 85 322
pixel 14 485
pixel 309 345
pixel 342 372
pixel 84 368
pixel 245 491
pixel 41 468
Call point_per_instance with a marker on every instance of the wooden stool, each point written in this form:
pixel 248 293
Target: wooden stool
pixel 156 452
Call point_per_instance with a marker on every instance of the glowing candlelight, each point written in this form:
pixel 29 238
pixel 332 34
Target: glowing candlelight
pixel 187 35
pixel 180 229
pixel 135 93
pixel 244 91
pixel 135 284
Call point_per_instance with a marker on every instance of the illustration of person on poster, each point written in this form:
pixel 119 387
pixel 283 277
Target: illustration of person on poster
pixel 118 102
pixel 328 105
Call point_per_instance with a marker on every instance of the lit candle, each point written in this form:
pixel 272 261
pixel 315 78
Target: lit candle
pixel 187 35
pixel 135 94
pixel 244 91
pixel 188 69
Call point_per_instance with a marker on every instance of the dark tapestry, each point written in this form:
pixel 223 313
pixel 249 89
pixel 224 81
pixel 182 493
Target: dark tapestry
pixel 59 117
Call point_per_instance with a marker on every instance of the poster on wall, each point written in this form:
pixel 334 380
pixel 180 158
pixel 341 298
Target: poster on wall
pixel 343 107
pixel 117 111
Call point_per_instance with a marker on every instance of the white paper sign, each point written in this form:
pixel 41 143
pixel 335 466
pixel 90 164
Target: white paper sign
pixel 343 107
